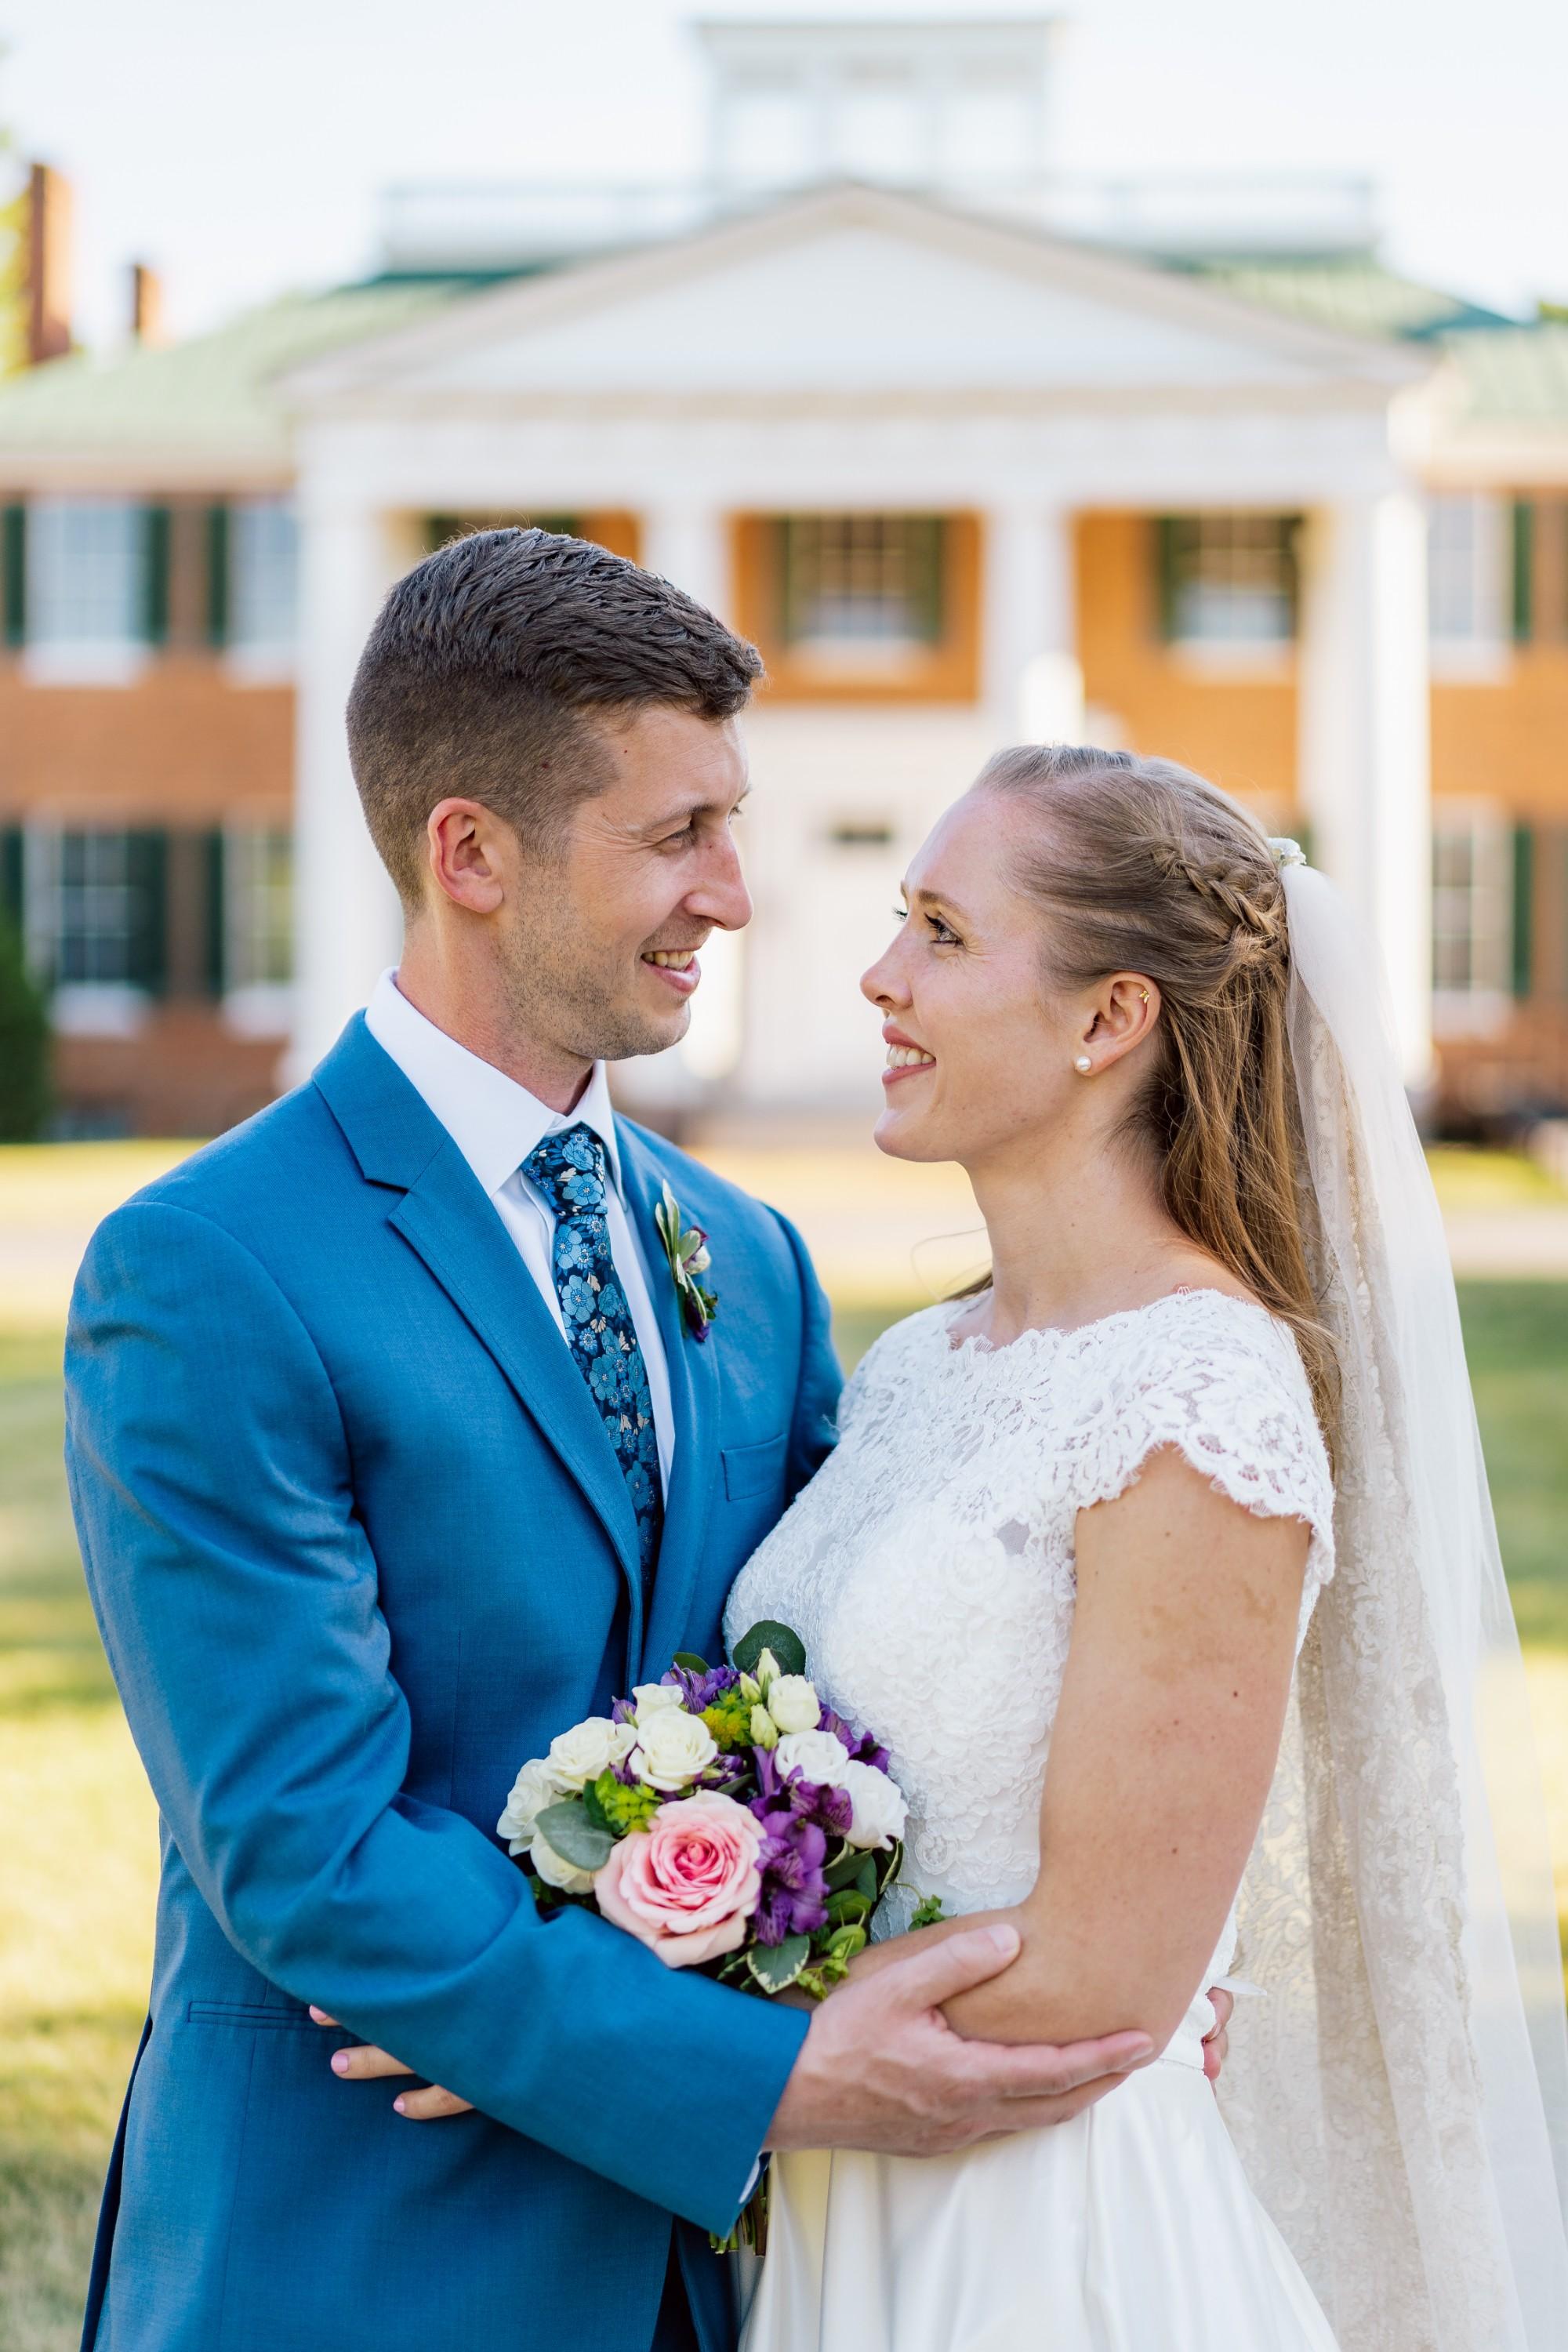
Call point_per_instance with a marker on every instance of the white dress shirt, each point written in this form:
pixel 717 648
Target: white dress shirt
pixel 495 1124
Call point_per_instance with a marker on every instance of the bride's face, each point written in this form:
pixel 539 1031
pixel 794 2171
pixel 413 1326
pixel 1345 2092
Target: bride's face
pixel 979 1055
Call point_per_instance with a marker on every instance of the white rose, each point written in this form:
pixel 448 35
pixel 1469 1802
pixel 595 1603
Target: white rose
pixel 672 1749
pixel 793 1705
pixel 820 1755
pixel 535 1787
pixel 556 1873
pixel 653 1698
pixel 879 1806
pixel 590 1748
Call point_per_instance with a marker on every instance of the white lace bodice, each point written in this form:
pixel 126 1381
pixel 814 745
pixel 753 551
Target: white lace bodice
pixel 929 1567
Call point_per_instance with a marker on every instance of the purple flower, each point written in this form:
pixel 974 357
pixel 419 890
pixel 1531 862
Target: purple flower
pixel 862 1745
pixel 623 1711
pixel 786 1797
pixel 700 1690
pixel 794 1898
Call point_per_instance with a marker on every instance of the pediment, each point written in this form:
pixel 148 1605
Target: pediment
pixel 853 292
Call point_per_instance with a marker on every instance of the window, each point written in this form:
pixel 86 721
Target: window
pixel 1228 580
pixel 263 564
pixel 1466 573
pixel 257 908
pixel 868 607
pixel 867 584
pixel 88 573
pixel 1472 914
pixel 94 917
pixel 610 528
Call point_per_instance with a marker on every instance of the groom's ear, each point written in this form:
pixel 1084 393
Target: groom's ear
pixel 470 854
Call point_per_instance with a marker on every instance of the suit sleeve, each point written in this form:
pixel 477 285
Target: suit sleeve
pixel 814 1425
pixel 238 1600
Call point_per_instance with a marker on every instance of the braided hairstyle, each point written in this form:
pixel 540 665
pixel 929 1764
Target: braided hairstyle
pixel 1145 867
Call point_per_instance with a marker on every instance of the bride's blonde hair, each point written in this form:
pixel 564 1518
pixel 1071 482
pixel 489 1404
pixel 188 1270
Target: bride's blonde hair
pixel 1142 866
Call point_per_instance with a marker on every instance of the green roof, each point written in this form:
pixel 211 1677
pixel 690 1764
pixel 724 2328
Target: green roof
pixel 1520 373
pixel 1354 296
pixel 214 392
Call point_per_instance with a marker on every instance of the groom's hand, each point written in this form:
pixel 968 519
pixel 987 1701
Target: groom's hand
pixel 882 2069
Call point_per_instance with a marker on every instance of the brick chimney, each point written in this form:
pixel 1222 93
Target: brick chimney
pixel 48 265
pixel 146 304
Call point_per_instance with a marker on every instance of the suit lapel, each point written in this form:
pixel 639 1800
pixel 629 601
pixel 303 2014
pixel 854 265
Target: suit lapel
pixel 446 1219
pixel 694 1398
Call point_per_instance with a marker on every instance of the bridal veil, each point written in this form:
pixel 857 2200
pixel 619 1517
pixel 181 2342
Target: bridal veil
pixel 1401 2097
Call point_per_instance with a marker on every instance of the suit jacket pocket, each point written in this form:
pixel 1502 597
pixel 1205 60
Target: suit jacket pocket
pixel 752 1469
pixel 250 2012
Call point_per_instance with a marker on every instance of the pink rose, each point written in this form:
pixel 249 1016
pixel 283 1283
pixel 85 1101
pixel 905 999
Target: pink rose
pixel 687 1884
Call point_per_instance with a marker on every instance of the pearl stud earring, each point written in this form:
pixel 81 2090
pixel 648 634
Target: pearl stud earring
pixel 1083 1065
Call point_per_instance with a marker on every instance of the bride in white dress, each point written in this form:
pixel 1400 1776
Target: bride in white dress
pixel 1064 1558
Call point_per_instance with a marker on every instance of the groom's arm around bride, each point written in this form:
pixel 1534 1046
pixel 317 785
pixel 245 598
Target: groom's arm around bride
pixel 359 1544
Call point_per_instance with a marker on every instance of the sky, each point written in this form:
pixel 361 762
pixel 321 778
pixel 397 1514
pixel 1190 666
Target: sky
pixel 240 145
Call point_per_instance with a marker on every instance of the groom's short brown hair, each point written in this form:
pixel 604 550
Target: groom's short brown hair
pixel 486 667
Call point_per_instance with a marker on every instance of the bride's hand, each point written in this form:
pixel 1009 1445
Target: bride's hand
pixel 368 2065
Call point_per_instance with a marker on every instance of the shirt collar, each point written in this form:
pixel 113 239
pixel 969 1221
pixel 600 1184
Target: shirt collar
pixel 494 1123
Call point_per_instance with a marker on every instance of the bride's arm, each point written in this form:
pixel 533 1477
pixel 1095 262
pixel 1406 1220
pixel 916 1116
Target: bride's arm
pixel 1162 1753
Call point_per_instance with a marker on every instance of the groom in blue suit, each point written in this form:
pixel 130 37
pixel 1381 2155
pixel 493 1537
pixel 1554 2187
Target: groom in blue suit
pixel 377 1491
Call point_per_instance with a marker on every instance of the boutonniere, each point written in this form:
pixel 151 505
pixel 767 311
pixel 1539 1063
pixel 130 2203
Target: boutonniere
pixel 686 1250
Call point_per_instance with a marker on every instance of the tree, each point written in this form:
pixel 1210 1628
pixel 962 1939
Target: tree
pixel 23 1045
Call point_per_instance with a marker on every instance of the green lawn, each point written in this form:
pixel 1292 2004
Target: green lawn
pixel 75 1887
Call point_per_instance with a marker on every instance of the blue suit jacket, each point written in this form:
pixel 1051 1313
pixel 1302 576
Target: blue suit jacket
pixel 358 1547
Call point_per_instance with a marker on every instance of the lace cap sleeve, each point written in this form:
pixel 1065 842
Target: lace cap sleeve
pixel 1222 1382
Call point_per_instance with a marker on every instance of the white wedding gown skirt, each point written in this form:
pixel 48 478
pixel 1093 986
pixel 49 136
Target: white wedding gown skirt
pixel 1130 2229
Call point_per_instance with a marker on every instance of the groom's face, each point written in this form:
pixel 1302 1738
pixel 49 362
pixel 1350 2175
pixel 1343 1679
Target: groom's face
pixel 602 929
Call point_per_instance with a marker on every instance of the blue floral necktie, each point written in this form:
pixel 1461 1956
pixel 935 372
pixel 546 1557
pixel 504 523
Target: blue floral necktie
pixel 569 1169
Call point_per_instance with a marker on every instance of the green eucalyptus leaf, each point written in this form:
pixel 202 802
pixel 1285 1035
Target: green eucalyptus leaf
pixel 775 1966
pixel 689 1661
pixel 569 1834
pixel 864 1879
pixel 785 1644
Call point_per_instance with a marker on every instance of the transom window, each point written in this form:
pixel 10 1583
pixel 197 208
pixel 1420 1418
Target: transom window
pixel 1229 579
pixel 862 583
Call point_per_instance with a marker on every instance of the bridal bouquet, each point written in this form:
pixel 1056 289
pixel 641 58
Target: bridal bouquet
pixel 724 1816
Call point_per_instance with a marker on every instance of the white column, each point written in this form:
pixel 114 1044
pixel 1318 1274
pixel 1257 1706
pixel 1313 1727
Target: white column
pixel 1034 682
pixel 1364 738
pixel 348 925
pixel 690 546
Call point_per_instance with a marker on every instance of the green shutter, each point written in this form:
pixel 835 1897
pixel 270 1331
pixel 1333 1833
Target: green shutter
pixel 1523 908
pixel 155 536
pixel 440 528
pixel 147 960
pixel 1167 530
pixel 11 873
pixel 1523 571
pixel 924 538
pixel 217 575
pixel 216 959
pixel 14 573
